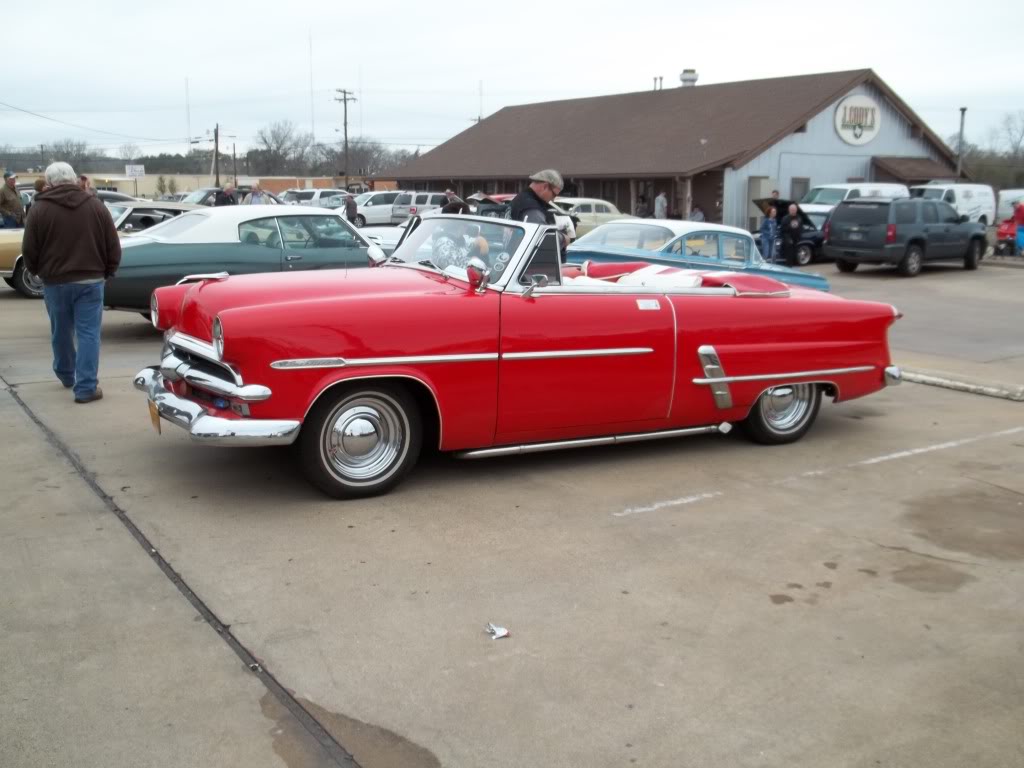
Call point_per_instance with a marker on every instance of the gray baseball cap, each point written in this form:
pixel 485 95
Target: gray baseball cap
pixel 549 176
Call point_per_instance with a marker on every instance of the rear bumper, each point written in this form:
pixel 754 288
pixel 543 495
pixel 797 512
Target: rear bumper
pixel 887 254
pixel 893 375
pixel 212 430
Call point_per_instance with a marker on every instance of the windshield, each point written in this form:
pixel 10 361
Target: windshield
pixel 818 219
pixel 929 193
pixel 116 211
pixel 824 196
pixel 449 242
pixel 363 198
pixel 196 197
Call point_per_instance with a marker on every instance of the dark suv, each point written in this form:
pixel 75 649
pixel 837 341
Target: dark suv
pixel 905 232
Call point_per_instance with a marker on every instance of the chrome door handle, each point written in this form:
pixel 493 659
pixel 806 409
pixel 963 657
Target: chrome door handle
pixel 292 256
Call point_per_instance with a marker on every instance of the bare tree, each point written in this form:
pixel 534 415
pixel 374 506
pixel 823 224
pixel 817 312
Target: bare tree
pixel 275 142
pixel 161 185
pixel 1011 133
pixel 70 151
pixel 128 152
pixel 172 186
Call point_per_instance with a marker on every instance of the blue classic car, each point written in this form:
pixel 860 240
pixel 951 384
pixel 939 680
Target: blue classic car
pixel 690 244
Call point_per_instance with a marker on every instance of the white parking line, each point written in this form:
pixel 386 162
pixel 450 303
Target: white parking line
pixel 684 500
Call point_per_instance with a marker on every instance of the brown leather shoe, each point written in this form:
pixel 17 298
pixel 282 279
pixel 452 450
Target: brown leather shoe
pixel 97 394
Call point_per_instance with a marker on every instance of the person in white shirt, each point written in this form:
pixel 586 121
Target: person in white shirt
pixel 661 206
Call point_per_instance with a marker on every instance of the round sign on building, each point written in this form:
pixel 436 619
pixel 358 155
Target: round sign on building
pixel 858 119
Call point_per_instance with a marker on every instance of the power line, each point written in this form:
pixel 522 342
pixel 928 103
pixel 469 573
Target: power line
pixel 76 125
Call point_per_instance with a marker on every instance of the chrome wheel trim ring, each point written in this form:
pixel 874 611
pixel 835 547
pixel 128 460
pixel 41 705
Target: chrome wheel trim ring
pixel 785 409
pixel 364 439
pixel 33 282
pixel 914 261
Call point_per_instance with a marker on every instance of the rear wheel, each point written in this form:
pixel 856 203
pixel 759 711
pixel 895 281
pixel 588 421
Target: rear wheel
pixel 783 414
pixel 846 266
pixel 26 283
pixel 360 220
pixel 912 261
pixel 973 256
pixel 804 255
pixel 361 441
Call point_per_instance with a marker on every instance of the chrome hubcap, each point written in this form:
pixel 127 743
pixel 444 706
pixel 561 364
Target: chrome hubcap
pixel 364 438
pixel 33 282
pixel 785 408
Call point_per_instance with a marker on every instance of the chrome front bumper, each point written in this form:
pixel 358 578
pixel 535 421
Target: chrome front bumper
pixel 893 375
pixel 212 430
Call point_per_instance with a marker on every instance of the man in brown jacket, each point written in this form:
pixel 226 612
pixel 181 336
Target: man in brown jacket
pixel 11 207
pixel 70 242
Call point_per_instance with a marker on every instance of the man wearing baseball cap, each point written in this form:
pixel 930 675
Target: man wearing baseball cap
pixel 11 207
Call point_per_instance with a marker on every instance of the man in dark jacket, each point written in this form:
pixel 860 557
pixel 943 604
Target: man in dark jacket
pixel 534 203
pixel 351 209
pixel 70 242
pixel 790 230
pixel 225 196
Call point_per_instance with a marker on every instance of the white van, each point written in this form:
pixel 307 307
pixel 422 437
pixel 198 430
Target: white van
pixel 975 201
pixel 1007 197
pixel 824 197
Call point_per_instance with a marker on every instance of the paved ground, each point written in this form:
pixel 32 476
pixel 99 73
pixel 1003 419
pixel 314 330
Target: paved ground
pixel 852 600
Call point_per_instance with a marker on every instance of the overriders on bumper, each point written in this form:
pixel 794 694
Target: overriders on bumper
pixel 212 430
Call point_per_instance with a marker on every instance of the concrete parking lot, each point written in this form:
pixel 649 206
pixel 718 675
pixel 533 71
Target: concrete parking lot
pixel 850 600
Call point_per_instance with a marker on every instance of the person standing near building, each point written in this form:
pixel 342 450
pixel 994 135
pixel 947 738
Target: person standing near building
pixel 697 214
pixel 643 210
pixel 11 207
pixel 225 196
pixel 790 231
pixel 769 233
pixel 661 206
pixel 71 244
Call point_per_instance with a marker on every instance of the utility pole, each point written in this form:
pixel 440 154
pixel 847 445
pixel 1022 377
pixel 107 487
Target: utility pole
pixel 234 163
pixel 42 155
pixel 960 143
pixel 216 154
pixel 345 98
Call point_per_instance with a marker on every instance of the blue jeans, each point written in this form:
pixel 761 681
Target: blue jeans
pixel 76 312
pixel 10 222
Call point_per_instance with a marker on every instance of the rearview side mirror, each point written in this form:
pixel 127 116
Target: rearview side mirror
pixel 536 281
pixel 964 218
pixel 375 255
pixel 477 273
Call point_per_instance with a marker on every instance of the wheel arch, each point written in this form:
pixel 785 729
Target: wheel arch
pixel 827 387
pixel 424 395
pixel 918 240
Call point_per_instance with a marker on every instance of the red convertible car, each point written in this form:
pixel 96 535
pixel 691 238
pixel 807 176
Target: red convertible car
pixel 474 336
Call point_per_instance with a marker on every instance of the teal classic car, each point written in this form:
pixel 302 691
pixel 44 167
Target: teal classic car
pixel 689 244
pixel 237 240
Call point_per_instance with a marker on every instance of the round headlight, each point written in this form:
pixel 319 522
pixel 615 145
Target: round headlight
pixel 218 338
pixel 154 311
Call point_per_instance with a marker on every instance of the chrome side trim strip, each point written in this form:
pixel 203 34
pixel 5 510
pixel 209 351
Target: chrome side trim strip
pixel 614 352
pixel 559 445
pixel 354 362
pixel 675 358
pixel 794 375
pixel 204 276
pixel 712 366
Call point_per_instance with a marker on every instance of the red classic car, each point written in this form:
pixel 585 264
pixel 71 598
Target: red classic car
pixel 476 337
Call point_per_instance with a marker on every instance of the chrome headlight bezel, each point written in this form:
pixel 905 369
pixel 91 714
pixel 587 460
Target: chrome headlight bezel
pixel 154 311
pixel 218 338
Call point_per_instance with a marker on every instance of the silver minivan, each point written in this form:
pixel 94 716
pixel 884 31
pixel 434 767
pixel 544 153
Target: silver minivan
pixel 375 207
pixel 415 203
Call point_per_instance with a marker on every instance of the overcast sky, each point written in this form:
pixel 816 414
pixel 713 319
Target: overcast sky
pixel 416 67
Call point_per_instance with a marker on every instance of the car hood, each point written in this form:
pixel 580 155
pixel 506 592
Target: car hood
pixel 204 300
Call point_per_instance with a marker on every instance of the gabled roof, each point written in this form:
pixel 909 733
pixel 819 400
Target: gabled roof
pixel 677 131
pixel 914 170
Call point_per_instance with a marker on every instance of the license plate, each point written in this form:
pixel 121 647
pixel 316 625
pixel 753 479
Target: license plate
pixel 154 416
pixel 856 236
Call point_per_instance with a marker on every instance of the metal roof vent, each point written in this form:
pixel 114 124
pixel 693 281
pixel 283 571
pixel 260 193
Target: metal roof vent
pixel 688 78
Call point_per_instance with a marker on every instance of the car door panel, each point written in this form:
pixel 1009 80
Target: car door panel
pixel 592 363
pixel 319 242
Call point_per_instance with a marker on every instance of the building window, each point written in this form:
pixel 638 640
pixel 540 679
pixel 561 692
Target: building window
pixel 798 188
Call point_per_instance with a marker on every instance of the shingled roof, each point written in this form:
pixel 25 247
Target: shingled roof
pixel 676 131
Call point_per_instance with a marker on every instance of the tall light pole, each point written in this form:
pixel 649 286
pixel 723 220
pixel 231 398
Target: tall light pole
pixel 960 143
pixel 345 98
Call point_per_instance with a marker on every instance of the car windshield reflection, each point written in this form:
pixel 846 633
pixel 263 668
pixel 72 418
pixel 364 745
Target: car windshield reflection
pixel 447 243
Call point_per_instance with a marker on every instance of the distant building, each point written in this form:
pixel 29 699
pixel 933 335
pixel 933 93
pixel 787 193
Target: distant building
pixel 717 146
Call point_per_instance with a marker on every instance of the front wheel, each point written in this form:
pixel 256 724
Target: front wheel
pixel 846 266
pixel 973 257
pixel 910 265
pixel 361 441
pixel 360 220
pixel 783 414
pixel 27 284
pixel 804 255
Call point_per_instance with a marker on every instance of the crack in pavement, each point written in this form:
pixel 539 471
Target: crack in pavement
pixel 337 752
